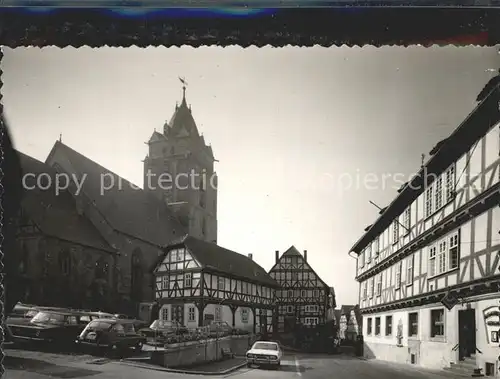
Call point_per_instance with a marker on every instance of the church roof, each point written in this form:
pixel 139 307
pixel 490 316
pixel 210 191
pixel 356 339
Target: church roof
pixel 56 214
pixel 183 119
pixel 217 258
pixel 127 208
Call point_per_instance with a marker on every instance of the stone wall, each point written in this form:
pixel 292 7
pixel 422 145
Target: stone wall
pixel 197 352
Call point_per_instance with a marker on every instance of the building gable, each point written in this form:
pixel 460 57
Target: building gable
pixel 177 259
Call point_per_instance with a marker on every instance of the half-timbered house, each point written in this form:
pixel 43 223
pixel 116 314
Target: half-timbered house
pixel 198 282
pixel 429 267
pixel 303 299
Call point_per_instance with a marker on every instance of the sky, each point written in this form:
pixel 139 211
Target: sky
pixel 297 132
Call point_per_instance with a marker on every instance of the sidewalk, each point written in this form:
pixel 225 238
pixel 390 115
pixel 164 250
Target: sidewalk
pixel 214 368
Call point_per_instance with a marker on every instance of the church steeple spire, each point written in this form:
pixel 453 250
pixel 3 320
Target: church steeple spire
pixel 184 84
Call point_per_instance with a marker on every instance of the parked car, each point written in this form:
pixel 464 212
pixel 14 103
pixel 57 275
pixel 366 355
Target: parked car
pixel 56 326
pixel 264 353
pixel 160 330
pixel 110 334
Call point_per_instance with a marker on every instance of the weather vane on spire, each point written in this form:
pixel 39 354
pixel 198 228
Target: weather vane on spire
pixel 184 84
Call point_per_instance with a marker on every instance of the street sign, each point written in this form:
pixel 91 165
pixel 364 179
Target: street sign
pixel 449 301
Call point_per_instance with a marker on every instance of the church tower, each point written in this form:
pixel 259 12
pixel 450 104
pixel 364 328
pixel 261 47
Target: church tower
pixel 179 169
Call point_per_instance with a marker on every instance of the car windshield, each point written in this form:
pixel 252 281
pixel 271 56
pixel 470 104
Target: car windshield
pixel 160 324
pixel 265 346
pixel 48 318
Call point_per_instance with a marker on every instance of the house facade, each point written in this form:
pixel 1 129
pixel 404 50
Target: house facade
pixel 198 282
pixel 303 300
pixel 429 266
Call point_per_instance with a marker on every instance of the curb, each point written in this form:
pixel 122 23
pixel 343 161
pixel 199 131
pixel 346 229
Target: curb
pixel 191 372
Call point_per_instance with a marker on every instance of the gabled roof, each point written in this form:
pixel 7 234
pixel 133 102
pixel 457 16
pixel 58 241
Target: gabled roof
pixel 56 214
pixel 217 258
pixel 128 209
pixel 474 127
pixel 156 137
pixel 293 252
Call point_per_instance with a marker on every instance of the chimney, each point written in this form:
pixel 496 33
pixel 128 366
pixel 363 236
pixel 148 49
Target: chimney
pixel 250 256
pixel 277 255
pixel 305 255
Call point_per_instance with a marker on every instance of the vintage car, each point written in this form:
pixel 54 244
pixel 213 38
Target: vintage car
pixel 264 353
pixel 160 330
pixel 111 335
pixel 220 327
pixel 57 326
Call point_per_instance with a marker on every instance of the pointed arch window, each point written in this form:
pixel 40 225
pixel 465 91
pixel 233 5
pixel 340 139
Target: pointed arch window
pixel 65 262
pixel 136 278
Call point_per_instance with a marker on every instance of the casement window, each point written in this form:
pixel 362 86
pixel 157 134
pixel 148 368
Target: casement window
pixel 164 282
pixel 376 247
pixel 409 270
pixel 388 325
pixel 413 324
pixel 315 293
pixel 188 280
pixel 441 257
pixel 438 193
pixel 395 230
pixel 289 309
pixel 164 314
pixel 365 290
pixel 362 260
pixel 432 261
pixel 244 315
pixel 437 322
pixel 311 321
pixel 368 252
pixel 303 294
pixel 377 326
pixel 399 267
pixel 311 308
pixel 372 285
pixel 369 326
pixel 450 183
pixel 379 285
pixel 428 202
pixel 191 314
pixel 407 219
pixel 221 284
pixel 290 294
pixel 454 250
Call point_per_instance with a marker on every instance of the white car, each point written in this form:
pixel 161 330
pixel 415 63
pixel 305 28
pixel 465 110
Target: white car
pixel 264 353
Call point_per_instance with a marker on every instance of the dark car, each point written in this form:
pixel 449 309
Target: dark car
pixel 111 335
pixel 60 327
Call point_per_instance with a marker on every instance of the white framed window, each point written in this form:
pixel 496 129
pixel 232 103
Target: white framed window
pixel 188 280
pixel 289 309
pixel 164 314
pixel 413 324
pixel 365 290
pixel 315 293
pixel 191 314
pixel 290 294
pixel 311 308
pixel 428 201
pixel 218 313
pixel 407 219
pixel 303 293
pixel 441 257
pixel 372 287
pixel 379 284
pixel 438 193
pixel 395 230
pixel 244 315
pixel 409 270
pixel 164 282
pixel 311 321
pixel 450 183
pixel 437 322
pixel 432 260
pixel 399 267
pixel 376 247
pixel 362 259
pixel 221 284
pixel 368 253
pixel 454 250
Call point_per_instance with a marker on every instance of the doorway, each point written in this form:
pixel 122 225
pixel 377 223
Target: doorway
pixel 466 333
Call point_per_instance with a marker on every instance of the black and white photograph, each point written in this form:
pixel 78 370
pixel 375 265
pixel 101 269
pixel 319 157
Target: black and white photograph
pixel 309 213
